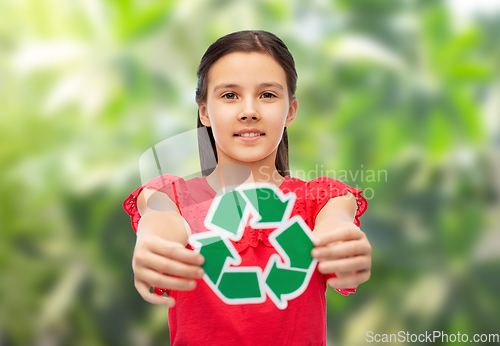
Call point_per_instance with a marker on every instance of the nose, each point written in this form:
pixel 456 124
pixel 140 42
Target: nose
pixel 249 112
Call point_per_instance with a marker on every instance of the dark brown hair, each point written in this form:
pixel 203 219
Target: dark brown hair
pixel 244 41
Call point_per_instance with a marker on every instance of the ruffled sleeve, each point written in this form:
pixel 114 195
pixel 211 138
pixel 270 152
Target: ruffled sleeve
pixel 166 183
pixel 320 191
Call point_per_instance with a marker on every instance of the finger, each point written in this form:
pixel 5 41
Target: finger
pixel 350 282
pixel 153 278
pixel 342 250
pixel 344 274
pixel 345 265
pixel 177 252
pixel 171 267
pixel 143 289
pixel 347 232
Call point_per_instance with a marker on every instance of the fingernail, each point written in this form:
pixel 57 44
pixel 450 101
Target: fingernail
pixel 151 290
pixel 200 272
pixel 315 253
pixel 201 260
pixel 165 295
pixel 192 284
pixel 317 241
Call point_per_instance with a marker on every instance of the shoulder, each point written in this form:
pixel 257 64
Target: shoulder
pixel 324 190
pixel 327 184
pixel 318 188
pixel 155 200
pixel 164 181
pixel 158 193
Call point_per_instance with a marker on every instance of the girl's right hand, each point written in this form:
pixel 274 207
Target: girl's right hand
pixel 154 261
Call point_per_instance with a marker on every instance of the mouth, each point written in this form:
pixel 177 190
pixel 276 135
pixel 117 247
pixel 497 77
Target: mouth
pixel 249 135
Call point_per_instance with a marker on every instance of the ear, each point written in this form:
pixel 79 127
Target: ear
pixel 205 120
pixel 292 111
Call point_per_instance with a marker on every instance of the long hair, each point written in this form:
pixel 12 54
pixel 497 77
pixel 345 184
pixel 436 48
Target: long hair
pixel 244 41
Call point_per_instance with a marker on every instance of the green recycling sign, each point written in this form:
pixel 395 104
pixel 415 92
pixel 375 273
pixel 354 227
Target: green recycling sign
pixel 287 273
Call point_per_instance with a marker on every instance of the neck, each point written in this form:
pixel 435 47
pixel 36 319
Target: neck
pixel 232 174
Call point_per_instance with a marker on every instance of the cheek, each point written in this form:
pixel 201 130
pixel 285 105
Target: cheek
pixel 220 113
pixel 220 126
pixel 278 118
pixel 280 110
pixel 216 118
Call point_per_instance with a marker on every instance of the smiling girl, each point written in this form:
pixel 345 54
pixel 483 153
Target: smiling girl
pixel 245 97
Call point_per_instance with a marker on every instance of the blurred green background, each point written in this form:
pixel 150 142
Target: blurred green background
pixel 411 88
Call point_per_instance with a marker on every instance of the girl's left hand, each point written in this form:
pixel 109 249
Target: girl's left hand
pixel 343 249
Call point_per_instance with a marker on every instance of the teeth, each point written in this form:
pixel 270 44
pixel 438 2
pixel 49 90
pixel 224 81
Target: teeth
pixel 249 134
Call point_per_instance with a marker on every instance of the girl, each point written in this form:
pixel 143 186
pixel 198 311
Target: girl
pixel 246 84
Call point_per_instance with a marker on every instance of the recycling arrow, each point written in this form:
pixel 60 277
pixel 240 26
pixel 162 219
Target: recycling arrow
pixel 286 274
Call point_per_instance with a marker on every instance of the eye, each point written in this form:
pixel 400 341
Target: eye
pixel 271 95
pixel 231 98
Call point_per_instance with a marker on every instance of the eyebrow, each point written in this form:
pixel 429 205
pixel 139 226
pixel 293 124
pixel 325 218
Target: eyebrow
pixel 220 86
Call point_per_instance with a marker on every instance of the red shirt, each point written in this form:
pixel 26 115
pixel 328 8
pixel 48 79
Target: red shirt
pixel 201 318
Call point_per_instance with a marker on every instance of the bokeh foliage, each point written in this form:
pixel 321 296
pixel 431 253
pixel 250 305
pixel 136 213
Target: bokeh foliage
pixel 394 86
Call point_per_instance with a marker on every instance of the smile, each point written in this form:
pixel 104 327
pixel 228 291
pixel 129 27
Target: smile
pixel 250 134
pixel 249 137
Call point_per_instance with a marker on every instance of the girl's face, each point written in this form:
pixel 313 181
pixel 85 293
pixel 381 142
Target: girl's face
pixel 247 90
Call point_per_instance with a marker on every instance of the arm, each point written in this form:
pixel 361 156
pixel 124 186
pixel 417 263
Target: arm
pixel 340 246
pixel 160 248
pixel 161 217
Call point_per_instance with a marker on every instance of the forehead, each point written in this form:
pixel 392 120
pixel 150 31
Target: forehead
pixel 246 69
